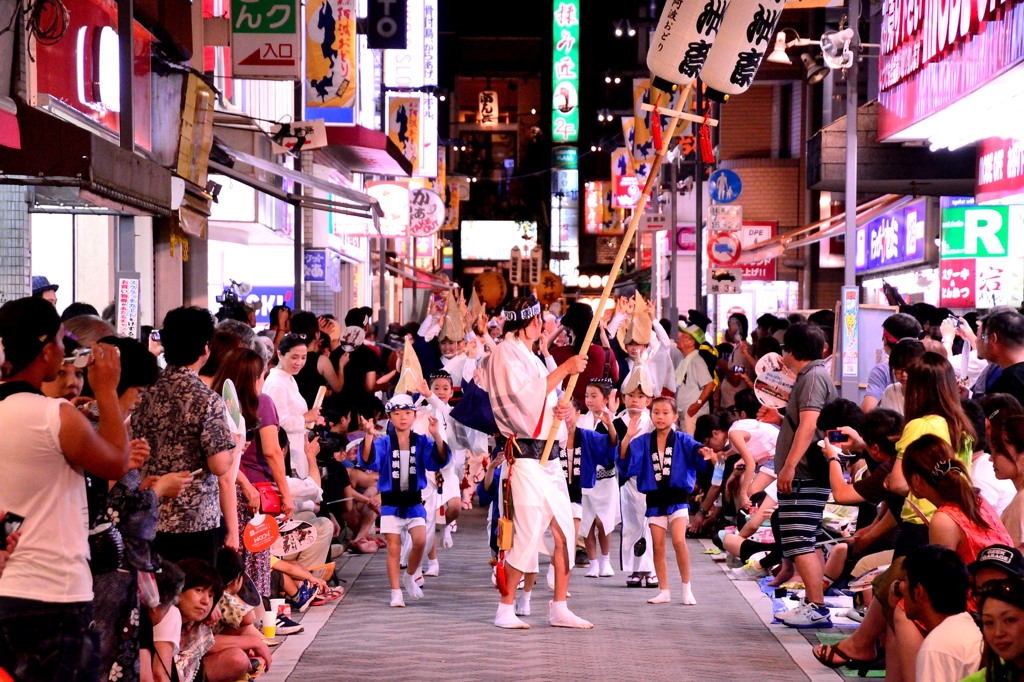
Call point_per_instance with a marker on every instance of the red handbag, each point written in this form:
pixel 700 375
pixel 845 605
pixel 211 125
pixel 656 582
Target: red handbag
pixel 270 498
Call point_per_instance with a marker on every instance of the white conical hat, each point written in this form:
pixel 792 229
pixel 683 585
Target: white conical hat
pixel 453 327
pixel 638 376
pixel 411 373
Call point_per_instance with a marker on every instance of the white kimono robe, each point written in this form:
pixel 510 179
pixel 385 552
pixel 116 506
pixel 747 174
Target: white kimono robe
pixel 634 513
pixel 516 381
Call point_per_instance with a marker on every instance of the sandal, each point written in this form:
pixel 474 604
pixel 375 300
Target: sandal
pixel 330 595
pixel 651 581
pixel 634 581
pixel 831 656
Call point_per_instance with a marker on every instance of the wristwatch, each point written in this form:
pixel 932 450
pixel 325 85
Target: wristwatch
pixel 833 459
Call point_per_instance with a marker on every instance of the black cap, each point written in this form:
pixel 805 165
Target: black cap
pixel 1000 557
pixel 698 318
pixel 26 325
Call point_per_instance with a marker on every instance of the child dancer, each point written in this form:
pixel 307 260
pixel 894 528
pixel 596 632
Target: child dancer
pixel 636 550
pixel 601 500
pixel 406 456
pixel 666 461
pixel 442 491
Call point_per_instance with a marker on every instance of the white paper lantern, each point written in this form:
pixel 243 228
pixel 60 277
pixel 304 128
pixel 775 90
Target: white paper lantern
pixel 682 41
pixel 745 37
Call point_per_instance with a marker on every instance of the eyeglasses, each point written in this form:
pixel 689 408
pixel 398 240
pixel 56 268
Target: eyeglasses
pixel 1006 589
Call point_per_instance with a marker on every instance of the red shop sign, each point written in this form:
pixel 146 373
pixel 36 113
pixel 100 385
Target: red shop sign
pixel 1000 169
pixel 957 280
pixel 935 52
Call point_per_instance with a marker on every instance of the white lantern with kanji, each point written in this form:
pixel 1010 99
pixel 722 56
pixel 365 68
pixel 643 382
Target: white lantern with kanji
pixel 681 42
pixel 747 34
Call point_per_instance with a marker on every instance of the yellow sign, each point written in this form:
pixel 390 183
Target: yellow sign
pixel 331 53
pixel 404 127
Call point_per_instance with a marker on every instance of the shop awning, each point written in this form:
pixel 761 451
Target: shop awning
pixel 97 172
pixel 362 150
pixel 827 228
pixel 346 201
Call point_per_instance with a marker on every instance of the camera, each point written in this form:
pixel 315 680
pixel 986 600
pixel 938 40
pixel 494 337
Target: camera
pixel 739 369
pixel 330 443
pixel 955 320
pixel 836 437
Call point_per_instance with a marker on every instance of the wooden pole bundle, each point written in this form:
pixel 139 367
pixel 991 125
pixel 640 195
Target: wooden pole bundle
pixel 626 240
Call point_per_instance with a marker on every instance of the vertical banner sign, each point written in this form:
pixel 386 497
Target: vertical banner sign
pixel 487 109
pixel 330 55
pixel 981 257
pixel 428 137
pixel 851 312
pixel 386 25
pixel 429 42
pixel 405 68
pixel 565 112
pixel 404 127
pixel 625 185
pixel 314 265
pixel 265 39
pixel 128 307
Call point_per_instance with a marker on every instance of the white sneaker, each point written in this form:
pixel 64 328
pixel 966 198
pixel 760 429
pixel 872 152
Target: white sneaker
pixel 560 616
pixel 433 568
pixel 749 571
pixel 397 600
pixel 506 618
pixel 606 569
pixel 807 615
pixel 411 587
pixel 522 604
pixel 594 571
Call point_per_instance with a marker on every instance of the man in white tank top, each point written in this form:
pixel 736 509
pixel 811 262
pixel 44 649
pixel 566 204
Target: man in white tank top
pixel 46 586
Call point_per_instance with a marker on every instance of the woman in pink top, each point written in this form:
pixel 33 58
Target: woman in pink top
pixel 963 521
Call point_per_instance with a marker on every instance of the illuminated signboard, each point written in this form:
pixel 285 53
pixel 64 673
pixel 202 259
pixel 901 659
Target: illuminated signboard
pixel 416 65
pixel 565 81
pixel 893 239
pixel 982 256
pixel 935 52
pixel 1000 169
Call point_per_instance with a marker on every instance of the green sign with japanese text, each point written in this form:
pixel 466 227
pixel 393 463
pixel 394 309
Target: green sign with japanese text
pixel 264 16
pixel 565 111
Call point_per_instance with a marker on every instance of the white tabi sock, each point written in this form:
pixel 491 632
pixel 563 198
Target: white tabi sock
pixel 688 597
pixel 663 597
pixel 396 598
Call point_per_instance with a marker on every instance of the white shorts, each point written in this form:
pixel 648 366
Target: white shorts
pixel 577 510
pixel 395 525
pixel 666 521
pixel 772 490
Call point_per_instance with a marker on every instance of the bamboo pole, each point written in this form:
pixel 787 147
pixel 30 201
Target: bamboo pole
pixel 626 240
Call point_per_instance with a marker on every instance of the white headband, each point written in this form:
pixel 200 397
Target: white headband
pixel 522 315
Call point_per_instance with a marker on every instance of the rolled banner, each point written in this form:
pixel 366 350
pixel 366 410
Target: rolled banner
pixel 681 43
pixel 745 37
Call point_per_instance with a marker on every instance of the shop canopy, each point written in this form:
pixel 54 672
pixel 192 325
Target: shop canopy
pixel 828 228
pixel 344 200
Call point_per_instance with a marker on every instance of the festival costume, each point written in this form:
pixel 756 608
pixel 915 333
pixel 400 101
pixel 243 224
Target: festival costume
pixel 385 457
pixel 590 454
pixel 600 490
pixel 634 509
pixel 665 478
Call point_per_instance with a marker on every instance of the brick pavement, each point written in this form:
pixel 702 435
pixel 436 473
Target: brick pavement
pixel 448 635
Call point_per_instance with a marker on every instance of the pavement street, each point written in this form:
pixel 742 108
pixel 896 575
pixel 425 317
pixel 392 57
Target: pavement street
pixel 449 634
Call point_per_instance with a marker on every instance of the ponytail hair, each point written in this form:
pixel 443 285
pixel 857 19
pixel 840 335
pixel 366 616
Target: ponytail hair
pixel 931 459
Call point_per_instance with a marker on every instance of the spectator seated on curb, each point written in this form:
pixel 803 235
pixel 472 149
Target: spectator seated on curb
pixel 185 638
pixel 169 581
pixel 291 580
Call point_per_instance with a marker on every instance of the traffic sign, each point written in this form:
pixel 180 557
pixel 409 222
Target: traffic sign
pixel 724 280
pixel 265 38
pixel 724 248
pixel 724 186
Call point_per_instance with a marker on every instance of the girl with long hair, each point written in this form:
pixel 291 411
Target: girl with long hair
pixel 262 459
pixel 963 520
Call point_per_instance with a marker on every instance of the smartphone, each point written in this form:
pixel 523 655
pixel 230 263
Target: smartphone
pixel 195 473
pixel 836 437
pixel 11 523
pixel 154 335
pixel 739 369
pixel 955 320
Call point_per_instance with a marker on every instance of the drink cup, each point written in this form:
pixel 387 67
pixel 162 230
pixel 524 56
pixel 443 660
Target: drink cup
pixel 270 627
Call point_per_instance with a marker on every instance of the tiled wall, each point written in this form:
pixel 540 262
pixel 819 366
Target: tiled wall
pixel 15 244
